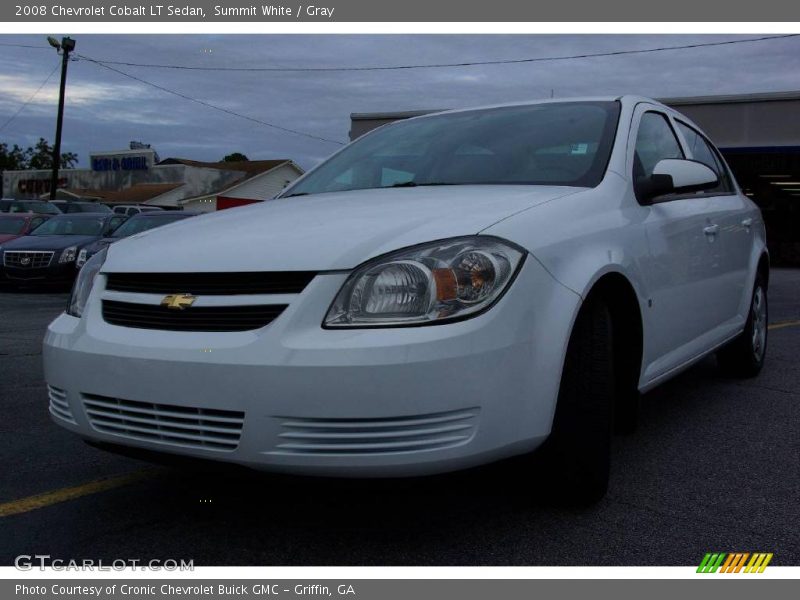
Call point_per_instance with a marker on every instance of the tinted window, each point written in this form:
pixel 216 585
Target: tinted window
pixel 558 143
pixel 655 141
pixel 702 151
pixel 66 225
pixel 12 225
pixel 115 222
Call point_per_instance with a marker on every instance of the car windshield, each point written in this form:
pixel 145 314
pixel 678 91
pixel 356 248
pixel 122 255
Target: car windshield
pixel 139 224
pixel 12 225
pixel 67 225
pixel 562 143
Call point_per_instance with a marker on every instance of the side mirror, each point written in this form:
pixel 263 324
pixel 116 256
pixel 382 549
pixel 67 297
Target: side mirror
pixel 677 176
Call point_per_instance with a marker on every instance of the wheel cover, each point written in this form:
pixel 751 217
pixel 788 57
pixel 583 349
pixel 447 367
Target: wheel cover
pixel 758 314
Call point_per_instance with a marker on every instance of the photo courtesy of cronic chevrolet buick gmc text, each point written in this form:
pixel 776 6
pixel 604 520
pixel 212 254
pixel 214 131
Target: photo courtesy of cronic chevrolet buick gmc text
pixel 444 292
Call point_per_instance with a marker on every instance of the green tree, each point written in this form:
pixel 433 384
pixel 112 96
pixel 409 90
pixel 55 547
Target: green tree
pixel 12 159
pixel 41 157
pixel 235 157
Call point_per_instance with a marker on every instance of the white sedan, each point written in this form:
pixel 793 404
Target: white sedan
pixel 444 292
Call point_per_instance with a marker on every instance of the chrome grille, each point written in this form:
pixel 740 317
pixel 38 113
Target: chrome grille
pixel 29 259
pixel 376 436
pixel 59 406
pixel 188 427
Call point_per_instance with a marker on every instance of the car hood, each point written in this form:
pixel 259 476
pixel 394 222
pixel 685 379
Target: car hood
pixel 7 237
pixel 49 242
pixel 98 245
pixel 321 232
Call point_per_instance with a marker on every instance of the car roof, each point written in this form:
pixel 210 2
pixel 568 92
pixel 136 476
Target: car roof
pixel 23 215
pixel 161 214
pixel 30 200
pixel 626 99
pixel 84 215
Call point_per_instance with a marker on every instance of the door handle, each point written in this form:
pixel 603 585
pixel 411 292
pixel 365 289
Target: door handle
pixel 711 230
pixel 747 223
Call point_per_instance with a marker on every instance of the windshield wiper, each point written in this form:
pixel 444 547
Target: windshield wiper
pixel 297 194
pixel 415 184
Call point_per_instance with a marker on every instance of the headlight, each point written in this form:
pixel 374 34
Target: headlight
pixel 428 284
pixel 84 283
pixel 68 255
pixel 81 258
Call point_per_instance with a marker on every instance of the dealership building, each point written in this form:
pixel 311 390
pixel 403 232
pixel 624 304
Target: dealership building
pixel 759 135
pixel 136 176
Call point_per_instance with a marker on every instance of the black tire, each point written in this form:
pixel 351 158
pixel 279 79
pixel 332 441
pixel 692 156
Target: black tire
pixel 744 356
pixel 626 408
pixel 575 458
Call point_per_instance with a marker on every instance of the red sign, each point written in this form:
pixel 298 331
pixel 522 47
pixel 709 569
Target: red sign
pixel 38 186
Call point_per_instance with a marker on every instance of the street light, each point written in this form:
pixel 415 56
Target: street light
pixel 66 45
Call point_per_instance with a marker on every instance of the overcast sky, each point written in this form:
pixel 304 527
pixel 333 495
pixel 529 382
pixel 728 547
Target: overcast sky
pixel 105 110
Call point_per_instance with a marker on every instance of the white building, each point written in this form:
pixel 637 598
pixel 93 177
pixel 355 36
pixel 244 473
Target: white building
pixel 134 177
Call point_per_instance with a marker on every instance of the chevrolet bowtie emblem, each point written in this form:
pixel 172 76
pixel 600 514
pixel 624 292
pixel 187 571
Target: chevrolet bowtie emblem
pixel 178 301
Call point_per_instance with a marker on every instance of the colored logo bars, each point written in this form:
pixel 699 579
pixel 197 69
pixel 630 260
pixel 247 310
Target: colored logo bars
pixel 734 562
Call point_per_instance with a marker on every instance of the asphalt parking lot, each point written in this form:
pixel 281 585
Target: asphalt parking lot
pixel 714 466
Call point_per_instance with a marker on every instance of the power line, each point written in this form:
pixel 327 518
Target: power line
pixel 29 100
pixel 26 46
pixel 209 105
pixel 448 65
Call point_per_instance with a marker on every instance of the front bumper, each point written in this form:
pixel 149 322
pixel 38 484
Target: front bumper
pixel 54 273
pixel 294 397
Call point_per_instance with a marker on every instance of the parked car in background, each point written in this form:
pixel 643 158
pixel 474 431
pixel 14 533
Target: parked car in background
pixel 445 291
pixel 76 206
pixel 135 224
pixel 14 225
pixel 134 209
pixel 10 205
pixel 48 254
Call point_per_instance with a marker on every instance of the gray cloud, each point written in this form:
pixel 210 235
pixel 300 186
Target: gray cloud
pixel 106 110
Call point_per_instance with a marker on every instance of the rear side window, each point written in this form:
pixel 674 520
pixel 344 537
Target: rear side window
pixel 703 152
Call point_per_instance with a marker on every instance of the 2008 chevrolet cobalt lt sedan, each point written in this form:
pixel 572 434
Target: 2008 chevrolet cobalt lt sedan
pixel 446 291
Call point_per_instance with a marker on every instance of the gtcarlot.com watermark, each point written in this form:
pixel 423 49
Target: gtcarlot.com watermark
pixel 29 562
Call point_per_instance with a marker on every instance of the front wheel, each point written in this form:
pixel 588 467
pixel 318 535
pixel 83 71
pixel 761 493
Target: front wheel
pixel 744 356
pixel 575 458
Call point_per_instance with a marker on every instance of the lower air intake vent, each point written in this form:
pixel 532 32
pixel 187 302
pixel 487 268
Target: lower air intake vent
pixel 59 406
pixel 413 433
pixel 189 427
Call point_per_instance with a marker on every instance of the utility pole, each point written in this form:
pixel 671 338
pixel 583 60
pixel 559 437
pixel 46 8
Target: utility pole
pixel 66 46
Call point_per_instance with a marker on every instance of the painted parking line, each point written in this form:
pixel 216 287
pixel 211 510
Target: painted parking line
pixel 23 505
pixel 783 324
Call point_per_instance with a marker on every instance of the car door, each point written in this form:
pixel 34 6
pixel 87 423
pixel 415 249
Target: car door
pixel 681 267
pixel 730 211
